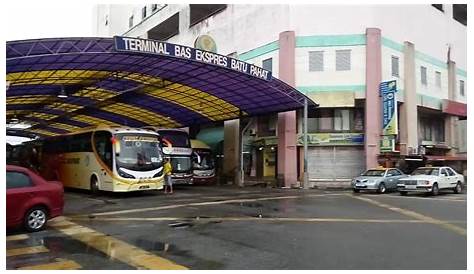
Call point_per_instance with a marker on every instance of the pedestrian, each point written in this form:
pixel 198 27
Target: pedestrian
pixel 167 169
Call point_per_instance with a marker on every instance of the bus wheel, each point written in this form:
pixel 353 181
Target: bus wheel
pixel 94 185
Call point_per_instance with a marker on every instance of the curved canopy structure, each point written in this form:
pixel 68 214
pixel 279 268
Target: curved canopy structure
pixel 133 82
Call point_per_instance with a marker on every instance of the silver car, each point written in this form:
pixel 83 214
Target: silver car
pixel 381 180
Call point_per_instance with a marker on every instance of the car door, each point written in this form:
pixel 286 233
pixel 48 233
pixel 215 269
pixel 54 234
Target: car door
pixel 390 180
pixel 20 189
pixel 443 181
pixel 452 177
pixel 398 175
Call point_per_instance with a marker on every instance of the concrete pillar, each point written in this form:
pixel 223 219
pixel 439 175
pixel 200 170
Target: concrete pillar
pixel 287 173
pixel 450 122
pixel 373 111
pixel 408 110
pixel 231 149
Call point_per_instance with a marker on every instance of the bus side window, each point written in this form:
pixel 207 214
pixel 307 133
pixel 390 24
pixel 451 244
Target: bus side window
pixel 103 146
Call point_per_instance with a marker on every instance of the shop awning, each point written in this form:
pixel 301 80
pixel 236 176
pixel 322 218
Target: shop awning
pixel 133 82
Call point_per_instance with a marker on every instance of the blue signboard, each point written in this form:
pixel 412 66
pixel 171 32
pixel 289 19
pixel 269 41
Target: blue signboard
pixel 389 108
pixel 138 45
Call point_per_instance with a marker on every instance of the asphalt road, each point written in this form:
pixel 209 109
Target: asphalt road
pixel 249 228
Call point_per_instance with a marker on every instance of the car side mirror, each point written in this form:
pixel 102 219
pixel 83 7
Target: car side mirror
pixel 389 175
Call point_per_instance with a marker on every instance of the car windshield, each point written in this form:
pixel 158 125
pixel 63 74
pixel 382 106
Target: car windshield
pixel 374 172
pixel 426 171
pixel 138 152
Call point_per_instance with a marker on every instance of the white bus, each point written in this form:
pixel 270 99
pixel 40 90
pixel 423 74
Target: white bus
pixel 118 159
pixel 176 146
pixel 204 170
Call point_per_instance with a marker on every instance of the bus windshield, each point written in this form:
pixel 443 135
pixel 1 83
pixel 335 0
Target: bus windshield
pixel 202 160
pixel 180 164
pixel 174 138
pixel 138 152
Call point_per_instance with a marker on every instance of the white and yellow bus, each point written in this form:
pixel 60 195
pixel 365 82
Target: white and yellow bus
pixel 115 159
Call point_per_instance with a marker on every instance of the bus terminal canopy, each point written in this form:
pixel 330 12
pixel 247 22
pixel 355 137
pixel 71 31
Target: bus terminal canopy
pixel 64 84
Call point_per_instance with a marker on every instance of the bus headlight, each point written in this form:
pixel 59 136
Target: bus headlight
pixel 158 174
pixel 125 175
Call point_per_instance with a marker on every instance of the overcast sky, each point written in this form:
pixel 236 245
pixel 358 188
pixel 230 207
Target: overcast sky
pixel 41 19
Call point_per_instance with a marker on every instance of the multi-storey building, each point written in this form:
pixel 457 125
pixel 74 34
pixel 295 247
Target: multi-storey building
pixel 338 56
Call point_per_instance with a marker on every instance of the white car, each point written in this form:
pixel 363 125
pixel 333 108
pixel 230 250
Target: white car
pixel 431 180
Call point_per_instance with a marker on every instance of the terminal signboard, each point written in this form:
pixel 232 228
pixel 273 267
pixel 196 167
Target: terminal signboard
pixel 139 45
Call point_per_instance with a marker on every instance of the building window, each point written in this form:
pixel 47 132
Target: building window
pixel 343 60
pixel 335 120
pixel 342 120
pixel 130 21
pixel 395 66
pixel 460 13
pixel 461 87
pixel 432 129
pixel 438 7
pixel 267 64
pixel 423 75
pixel 144 12
pixel 154 7
pixel 106 20
pixel 316 61
pixel 200 12
pixel 166 29
pixel 438 79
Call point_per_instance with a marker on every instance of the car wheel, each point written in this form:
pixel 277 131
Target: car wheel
pixel 435 189
pixel 94 185
pixel 356 190
pixel 382 189
pixel 403 193
pixel 458 188
pixel 35 219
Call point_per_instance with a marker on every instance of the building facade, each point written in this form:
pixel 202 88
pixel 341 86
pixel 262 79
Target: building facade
pixel 337 56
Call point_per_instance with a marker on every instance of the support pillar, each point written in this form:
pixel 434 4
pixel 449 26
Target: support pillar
pixel 287 166
pixel 373 74
pixel 231 150
pixel 409 110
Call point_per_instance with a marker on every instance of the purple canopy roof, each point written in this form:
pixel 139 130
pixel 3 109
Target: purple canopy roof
pixel 105 86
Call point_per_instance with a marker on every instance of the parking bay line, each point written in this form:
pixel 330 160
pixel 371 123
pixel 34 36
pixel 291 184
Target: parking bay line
pixel 60 265
pixel 206 203
pixel 115 248
pixel 26 250
pixel 445 224
pixel 421 198
pixel 17 237
pixel 263 219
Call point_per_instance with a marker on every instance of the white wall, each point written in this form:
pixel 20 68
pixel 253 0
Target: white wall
pixel 387 54
pixel 329 77
pixel 431 89
pixel 240 28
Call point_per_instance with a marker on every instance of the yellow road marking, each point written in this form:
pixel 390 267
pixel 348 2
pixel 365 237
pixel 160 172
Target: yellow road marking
pixel 283 219
pixel 26 250
pixel 114 248
pixel 207 203
pixel 413 214
pixel 61 265
pixel 17 237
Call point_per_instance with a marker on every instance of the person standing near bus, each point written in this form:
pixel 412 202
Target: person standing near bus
pixel 167 169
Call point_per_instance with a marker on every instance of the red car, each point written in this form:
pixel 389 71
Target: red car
pixel 31 200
